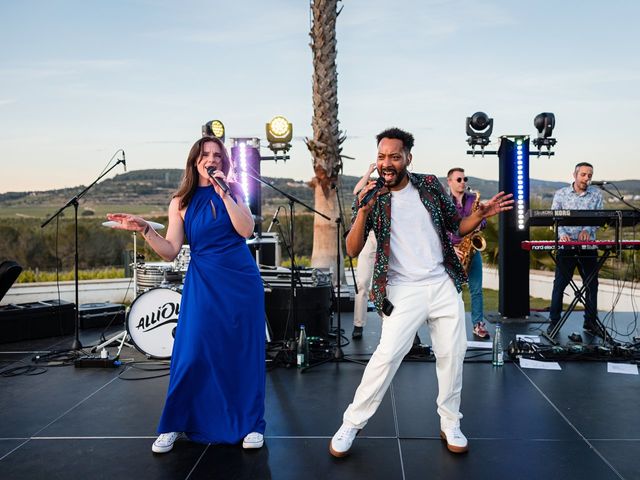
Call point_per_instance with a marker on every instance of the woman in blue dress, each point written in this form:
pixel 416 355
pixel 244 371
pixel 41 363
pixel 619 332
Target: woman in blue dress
pixel 217 377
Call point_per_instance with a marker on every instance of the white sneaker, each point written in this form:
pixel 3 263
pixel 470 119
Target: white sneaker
pixel 341 442
pixel 456 441
pixel 164 443
pixel 253 440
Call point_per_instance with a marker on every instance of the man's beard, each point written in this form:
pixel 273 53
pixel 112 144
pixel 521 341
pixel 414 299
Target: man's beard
pixel 396 179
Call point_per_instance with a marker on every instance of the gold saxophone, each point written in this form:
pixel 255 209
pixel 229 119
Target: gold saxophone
pixel 473 242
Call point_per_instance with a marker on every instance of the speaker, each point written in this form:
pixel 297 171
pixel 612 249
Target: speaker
pixel 9 272
pixel 313 310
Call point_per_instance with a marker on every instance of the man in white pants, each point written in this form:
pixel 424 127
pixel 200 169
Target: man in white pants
pixel 417 276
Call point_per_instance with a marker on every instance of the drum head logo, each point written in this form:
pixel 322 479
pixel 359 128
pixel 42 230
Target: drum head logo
pixel 165 314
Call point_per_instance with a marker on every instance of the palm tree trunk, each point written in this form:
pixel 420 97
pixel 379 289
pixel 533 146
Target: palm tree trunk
pixel 327 137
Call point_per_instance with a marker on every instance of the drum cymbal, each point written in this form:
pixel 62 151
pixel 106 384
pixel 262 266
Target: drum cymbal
pixel 154 225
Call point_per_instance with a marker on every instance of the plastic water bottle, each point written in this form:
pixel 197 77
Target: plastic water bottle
pixel 498 354
pixel 303 349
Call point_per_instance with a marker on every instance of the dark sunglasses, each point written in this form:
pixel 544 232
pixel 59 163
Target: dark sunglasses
pixel 460 179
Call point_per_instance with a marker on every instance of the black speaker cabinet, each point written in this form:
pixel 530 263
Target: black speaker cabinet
pixel 313 310
pixel 26 321
pixel 9 272
pixel 100 315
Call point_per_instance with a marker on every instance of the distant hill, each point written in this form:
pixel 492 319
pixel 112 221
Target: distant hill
pixel 153 188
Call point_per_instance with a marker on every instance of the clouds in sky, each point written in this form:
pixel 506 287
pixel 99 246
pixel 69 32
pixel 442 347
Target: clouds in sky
pixel 79 80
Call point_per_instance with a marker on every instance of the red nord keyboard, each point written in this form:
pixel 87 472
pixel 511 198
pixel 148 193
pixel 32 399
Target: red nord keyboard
pixel 545 245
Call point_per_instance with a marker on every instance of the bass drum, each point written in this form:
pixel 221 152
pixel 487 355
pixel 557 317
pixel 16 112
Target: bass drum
pixel 152 321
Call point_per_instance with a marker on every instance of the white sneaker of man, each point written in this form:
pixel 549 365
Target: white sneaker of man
pixel 341 442
pixel 253 440
pixel 456 441
pixel 164 443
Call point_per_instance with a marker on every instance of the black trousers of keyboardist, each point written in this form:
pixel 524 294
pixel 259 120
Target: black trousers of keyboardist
pixel 566 263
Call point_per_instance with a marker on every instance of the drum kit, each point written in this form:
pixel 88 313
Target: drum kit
pixel 153 315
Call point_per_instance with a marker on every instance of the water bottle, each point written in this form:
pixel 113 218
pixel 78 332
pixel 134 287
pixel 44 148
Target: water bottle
pixel 498 354
pixel 303 349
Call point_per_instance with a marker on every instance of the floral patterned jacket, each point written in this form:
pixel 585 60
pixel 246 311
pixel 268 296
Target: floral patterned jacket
pixel 445 218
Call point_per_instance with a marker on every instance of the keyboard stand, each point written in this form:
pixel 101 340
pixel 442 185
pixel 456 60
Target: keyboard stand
pixel 579 296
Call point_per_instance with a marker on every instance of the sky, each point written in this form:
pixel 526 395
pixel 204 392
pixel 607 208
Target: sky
pixel 80 80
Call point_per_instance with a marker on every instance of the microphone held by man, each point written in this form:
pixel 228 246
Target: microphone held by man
pixel 371 193
pixel 221 183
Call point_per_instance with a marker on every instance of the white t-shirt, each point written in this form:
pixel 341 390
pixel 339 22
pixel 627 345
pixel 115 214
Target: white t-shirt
pixel 416 250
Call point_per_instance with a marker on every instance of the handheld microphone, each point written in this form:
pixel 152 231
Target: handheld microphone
pixel 599 183
pixel 274 219
pixel 379 184
pixel 124 161
pixel 221 183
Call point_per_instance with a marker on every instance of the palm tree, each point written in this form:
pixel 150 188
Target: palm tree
pixel 327 137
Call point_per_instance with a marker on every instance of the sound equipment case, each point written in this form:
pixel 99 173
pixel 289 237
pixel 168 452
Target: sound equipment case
pixel 99 315
pixel 26 321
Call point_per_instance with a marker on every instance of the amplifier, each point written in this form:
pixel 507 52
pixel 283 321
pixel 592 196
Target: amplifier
pixel 313 310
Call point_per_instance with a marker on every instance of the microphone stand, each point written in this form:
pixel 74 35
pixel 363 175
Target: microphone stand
pixel 338 354
pixel 619 223
pixel 292 201
pixel 76 345
pixel 619 196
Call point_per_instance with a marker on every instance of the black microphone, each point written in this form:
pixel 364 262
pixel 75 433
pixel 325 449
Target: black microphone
pixel 274 219
pixel 599 183
pixel 221 183
pixel 124 161
pixel 379 184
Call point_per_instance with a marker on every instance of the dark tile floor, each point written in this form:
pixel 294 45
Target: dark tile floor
pixel 577 423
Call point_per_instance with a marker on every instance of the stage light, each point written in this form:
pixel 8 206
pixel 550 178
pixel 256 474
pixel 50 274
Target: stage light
pixel 214 128
pixel 545 123
pixel 279 134
pixel 479 127
pixel 245 153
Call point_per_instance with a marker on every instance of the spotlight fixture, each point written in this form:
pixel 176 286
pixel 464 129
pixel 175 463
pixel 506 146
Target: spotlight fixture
pixel 545 123
pixel 479 128
pixel 214 128
pixel 279 134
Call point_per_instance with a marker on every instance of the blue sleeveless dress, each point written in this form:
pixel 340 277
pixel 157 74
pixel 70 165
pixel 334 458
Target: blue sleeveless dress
pixel 217 377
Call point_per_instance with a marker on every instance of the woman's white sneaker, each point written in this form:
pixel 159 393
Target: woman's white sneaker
pixel 164 443
pixel 253 440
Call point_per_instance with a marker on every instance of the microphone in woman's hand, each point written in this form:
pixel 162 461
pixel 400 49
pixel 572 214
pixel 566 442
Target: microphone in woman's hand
pixel 221 183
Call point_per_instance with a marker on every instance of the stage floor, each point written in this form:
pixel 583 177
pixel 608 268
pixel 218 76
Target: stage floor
pixel 577 423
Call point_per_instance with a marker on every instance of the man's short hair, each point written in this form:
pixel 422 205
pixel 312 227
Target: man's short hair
pixel 395 133
pixel 455 169
pixel 582 164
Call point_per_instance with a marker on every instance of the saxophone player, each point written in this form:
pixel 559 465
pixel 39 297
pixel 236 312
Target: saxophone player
pixel 464 202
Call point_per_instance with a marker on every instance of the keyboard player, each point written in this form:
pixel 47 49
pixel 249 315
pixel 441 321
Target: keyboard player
pixel 580 195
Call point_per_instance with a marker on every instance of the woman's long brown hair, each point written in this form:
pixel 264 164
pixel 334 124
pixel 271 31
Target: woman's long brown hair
pixel 190 177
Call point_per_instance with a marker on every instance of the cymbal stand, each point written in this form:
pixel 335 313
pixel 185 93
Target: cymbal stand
pixel 122 336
